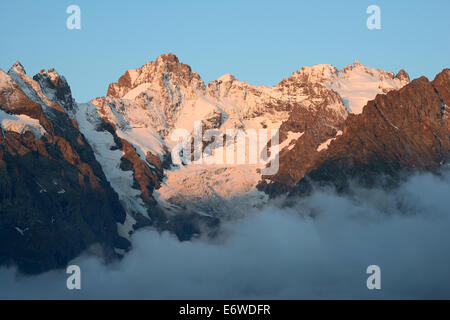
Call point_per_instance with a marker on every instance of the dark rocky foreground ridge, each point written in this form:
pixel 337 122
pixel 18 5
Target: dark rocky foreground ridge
pixel 56 200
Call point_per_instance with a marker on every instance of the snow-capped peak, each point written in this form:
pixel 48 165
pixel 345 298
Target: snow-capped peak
pixel 165 72
pixel 227 77
pixel 357 84
pixel 167 59
pixel 316 73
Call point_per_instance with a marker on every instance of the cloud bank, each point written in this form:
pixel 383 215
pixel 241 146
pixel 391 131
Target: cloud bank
pixel 319 248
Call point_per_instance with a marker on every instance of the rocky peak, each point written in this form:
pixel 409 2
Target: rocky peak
pixel 402 75
pixel 355 66
pixel 14 100
pixel 226 86
pixel 166 70
pixel 55 87
pixel 168 60
pixel 18 68
pixel 314 74
pixel 227 77
pixel 441 84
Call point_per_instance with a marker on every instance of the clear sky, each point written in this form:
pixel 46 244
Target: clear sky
pixel 259 41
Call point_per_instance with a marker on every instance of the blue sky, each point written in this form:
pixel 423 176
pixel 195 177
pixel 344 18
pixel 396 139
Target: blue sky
pixel 260 42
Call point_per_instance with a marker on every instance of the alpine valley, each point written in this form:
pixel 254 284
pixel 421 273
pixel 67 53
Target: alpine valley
pixel 74 175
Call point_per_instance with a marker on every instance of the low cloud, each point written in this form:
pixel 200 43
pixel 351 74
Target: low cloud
pixel 319 248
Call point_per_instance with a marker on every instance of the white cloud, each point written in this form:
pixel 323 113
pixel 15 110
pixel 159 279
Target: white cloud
pixel 283 253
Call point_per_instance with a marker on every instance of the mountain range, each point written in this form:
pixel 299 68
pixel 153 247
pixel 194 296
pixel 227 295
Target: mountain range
pixel 76 175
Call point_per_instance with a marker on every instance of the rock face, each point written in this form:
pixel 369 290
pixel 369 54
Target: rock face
pixel 403 130
pixel 403 76
pixel 55 200
pixel 56 88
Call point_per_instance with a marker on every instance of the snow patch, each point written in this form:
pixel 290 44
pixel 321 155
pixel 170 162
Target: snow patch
pixel 133 93
pixel 325 145
pixel 292 137
pixel 21 124
pixel 212 190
